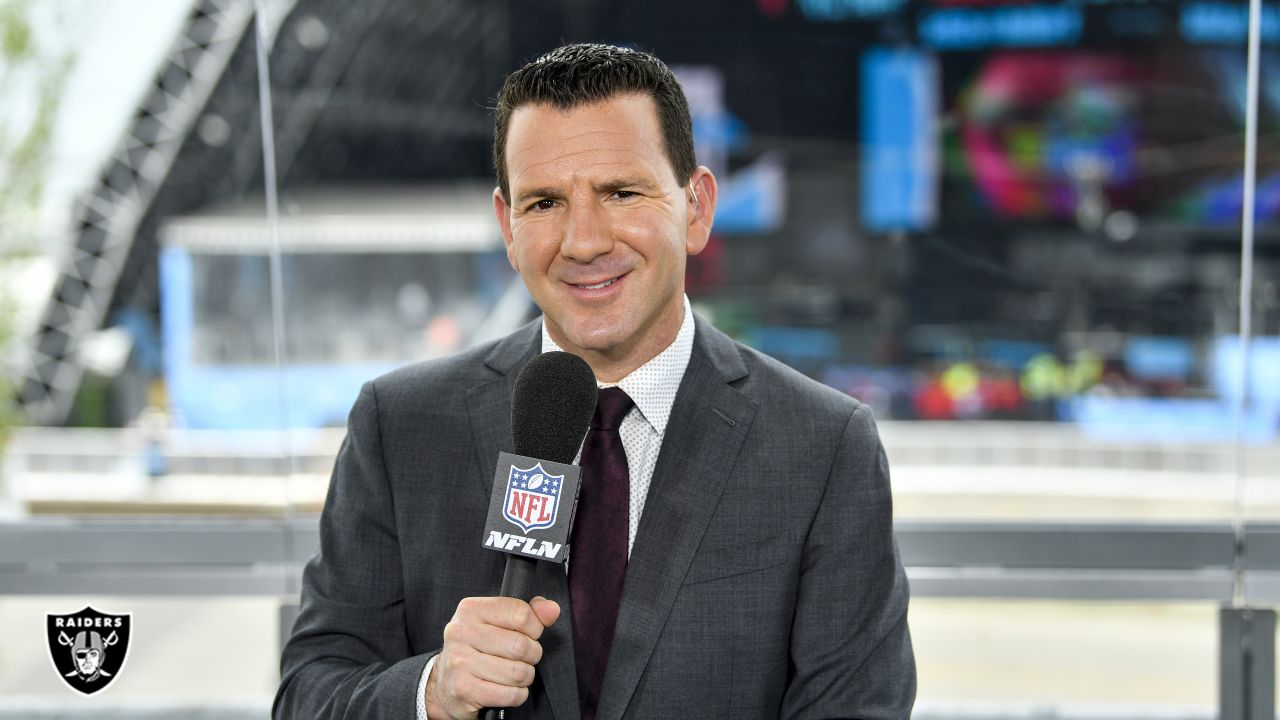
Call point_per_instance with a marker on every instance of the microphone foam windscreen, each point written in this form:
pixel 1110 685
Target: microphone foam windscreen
pixel 552 405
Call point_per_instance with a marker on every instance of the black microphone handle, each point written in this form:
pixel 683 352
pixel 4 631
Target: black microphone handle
pixel 517 582
pixel 517 578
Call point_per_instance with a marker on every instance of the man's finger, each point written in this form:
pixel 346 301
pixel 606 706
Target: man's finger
pixel 505 644
pixel 473 693
pixel 508 613
pixel 548 611
pixel 501 671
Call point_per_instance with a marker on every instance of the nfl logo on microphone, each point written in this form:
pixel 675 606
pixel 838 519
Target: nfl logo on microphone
pixel 527 493
pixel 533 497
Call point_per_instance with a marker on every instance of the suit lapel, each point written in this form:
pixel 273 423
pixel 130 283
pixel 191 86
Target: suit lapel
pixel 704 436
pixel 490 409
pixel 489 403
pixel 489 406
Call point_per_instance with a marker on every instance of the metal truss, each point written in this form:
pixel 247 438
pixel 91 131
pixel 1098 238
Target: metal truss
pixel 107 217
pixel 400 65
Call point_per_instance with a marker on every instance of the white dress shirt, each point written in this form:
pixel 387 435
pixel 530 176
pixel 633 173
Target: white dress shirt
pixel 652 387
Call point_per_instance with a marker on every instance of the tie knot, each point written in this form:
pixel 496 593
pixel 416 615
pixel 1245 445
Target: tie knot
pixel 613 405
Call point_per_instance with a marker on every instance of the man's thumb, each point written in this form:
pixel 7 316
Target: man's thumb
pixel 546 610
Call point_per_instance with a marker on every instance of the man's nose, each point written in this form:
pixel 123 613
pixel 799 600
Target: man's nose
pixel 587 234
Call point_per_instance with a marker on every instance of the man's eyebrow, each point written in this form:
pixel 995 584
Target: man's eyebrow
pixel 539 192
pixel 607 186
pixel 621 183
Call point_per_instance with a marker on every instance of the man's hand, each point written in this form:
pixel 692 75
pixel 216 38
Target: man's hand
pixel 490 648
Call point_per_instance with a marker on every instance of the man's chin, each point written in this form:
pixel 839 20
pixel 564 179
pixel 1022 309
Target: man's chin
pixel 598 335
pixel 599 342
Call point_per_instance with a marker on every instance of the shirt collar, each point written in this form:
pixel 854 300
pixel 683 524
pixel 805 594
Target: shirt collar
pixel 653 385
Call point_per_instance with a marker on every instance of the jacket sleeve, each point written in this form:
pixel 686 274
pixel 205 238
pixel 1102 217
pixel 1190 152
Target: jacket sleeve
pixel 851 653
pixel 349 653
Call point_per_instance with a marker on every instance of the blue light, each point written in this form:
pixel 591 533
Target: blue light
pixel 1216 22
pixel 899 108
pixel 970 29
pixel 836 10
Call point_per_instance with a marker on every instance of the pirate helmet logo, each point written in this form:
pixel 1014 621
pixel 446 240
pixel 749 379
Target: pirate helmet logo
pixel 88 648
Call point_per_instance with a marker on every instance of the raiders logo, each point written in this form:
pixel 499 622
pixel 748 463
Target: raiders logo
pixel 88 648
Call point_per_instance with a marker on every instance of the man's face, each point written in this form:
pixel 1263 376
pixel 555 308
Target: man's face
pixel 598 226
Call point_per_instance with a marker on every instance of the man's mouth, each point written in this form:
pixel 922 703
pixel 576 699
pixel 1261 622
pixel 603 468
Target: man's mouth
pixel 597 286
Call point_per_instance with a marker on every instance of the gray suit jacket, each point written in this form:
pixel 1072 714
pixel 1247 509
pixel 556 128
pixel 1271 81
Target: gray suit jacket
pixel 764 581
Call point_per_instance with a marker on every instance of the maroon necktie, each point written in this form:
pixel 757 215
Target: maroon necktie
pixel 598 559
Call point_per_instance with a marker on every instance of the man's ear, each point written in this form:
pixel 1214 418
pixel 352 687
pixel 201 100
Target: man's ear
pixel 503 211
pixel 700 195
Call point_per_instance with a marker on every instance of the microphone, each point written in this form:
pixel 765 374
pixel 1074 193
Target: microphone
pixel 535 489
pixel 551 406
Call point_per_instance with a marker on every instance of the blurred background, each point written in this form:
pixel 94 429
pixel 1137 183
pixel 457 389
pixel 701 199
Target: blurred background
pixel 1014 228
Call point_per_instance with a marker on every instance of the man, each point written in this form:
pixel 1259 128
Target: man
pixel 749 568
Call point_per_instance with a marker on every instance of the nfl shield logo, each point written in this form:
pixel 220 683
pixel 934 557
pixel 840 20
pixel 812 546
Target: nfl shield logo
pixel 533 497
pixel 88 648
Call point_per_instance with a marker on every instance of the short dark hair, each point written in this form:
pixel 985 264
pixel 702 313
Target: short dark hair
pixel 587 73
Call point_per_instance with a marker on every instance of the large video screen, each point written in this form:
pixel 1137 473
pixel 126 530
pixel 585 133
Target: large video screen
pixel 1109 141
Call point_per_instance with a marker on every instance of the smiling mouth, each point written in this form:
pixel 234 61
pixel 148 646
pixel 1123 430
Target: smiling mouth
pixel 597 286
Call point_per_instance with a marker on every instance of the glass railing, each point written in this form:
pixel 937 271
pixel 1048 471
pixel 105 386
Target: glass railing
pixel 1015 230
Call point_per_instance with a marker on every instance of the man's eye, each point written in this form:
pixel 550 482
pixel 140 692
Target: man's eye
pixel 543 205
pixel 624 194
